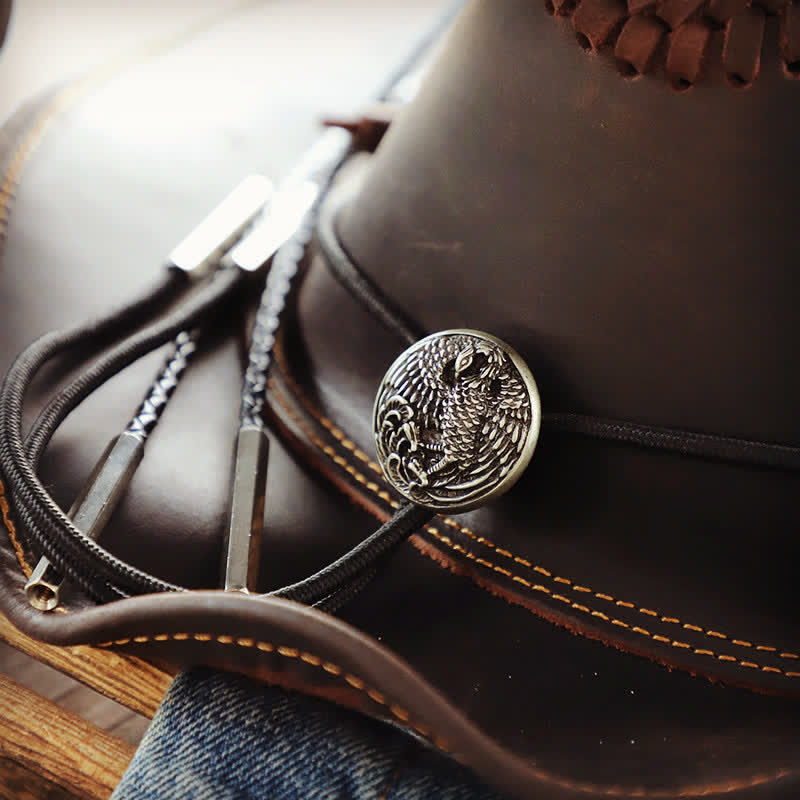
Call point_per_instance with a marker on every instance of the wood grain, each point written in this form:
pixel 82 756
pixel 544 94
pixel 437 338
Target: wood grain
pixel 19 783
pixel 58 745
pixel 130 681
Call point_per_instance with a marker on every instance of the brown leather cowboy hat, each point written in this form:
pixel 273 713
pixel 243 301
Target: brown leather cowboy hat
pixel 619 209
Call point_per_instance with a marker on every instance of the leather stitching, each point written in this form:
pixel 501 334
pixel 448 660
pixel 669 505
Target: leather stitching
pixel 403 716
pixel 532 587
pixel 398 712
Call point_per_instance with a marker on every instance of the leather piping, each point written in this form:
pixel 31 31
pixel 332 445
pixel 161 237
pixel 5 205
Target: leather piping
pixel 655 617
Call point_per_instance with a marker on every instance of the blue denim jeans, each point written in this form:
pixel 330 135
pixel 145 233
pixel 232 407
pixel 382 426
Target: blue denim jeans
pixel 222 737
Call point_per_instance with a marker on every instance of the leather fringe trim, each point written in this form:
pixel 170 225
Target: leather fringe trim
pixel 646 36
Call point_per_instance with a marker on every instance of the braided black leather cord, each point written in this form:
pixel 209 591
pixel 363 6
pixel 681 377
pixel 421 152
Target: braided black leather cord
pixel 339 582
pixel 152 407
pixel 285 266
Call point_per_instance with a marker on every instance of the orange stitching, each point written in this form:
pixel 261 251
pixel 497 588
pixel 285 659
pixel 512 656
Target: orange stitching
pixel 401 714
pixel 12 532
pixel 642 631
pixel 561 598
pixel 287 652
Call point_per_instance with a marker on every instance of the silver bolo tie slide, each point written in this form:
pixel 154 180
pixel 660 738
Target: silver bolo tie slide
pixel 456 420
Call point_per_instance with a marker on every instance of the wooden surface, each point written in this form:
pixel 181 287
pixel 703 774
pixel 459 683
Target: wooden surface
pixel 20 783
pixel 129 681
pixel 58 745
pixel 71 695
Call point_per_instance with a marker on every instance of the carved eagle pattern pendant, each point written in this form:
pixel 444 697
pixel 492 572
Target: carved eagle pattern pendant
pixel 456 420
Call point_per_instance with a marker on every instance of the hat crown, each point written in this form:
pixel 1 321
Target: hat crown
pixel 636 244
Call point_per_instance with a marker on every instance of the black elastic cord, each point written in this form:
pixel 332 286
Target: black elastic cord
pixel 341 597
pixel 688 443
pixel 354 280
pixel 331 579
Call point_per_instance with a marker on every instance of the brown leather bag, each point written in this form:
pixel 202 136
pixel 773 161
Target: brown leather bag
pixel 624 621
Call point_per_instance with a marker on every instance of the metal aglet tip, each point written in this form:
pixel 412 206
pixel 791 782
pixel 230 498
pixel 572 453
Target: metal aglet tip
pixel 90 512
pixel 243 540
pixel 43 587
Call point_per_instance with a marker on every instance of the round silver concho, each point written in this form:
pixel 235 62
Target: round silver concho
pixel 456 420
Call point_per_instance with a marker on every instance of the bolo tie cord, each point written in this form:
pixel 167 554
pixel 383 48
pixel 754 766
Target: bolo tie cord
pixel 66 542
pixel 57 536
